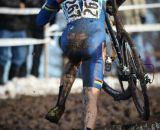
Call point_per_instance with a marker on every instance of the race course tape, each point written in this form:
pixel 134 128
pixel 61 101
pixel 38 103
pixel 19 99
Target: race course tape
pixel 21 41
pixel 34 87
pixel 142 28
pixel 34 11
pixel 140 6
pixel 32 41
pixel 17 11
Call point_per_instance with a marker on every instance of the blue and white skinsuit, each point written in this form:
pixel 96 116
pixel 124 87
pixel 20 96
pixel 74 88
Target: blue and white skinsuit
pixel 84 37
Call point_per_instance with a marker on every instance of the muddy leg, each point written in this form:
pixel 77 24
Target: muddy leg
pixel 67 80
pixel 90 97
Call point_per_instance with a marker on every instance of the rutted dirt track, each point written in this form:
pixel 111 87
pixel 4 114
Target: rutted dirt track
pixel 27 113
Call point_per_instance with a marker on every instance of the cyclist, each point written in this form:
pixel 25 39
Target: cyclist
pixel 83 42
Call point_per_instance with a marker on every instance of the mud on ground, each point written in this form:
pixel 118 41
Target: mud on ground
pixel 27 113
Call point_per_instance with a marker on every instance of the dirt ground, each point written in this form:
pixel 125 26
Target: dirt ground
pixel 27 113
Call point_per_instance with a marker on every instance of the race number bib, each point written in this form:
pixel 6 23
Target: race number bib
pixel 91 9
pixel 71 10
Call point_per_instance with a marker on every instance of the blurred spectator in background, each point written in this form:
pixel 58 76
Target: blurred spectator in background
pixel 37 32
pixel 150 44
pixel 133 17
pixel 12 26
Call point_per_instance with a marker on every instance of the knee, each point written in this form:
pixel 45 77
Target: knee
pixel 91 95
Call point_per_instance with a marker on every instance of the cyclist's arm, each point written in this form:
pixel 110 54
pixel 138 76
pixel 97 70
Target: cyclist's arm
pixel 48 11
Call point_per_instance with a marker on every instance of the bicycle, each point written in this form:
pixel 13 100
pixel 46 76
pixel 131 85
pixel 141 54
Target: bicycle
pixel 130 68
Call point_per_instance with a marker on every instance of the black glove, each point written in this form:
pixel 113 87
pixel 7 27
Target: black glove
pixel 109 8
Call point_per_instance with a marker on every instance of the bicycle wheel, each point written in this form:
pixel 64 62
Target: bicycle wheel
pixel 137 78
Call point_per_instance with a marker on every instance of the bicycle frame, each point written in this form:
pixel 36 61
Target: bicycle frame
pixel 120 31
pixel 116 38
pixel 119 28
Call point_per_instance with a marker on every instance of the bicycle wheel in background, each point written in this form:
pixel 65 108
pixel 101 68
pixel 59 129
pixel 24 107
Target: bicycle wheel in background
pixel 136 78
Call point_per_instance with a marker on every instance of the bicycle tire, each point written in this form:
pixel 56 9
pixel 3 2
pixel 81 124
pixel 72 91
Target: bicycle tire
pixel 117 95
pixel 137 75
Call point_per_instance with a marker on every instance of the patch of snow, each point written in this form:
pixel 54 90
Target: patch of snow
pixel 35 86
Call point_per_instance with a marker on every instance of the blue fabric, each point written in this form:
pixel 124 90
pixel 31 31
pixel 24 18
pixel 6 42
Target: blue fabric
pixel 89 51
pixel 16 54
pixel 52 3
pixel 44 15
pixel 82 40
pixel 94 29
pixel 92 70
